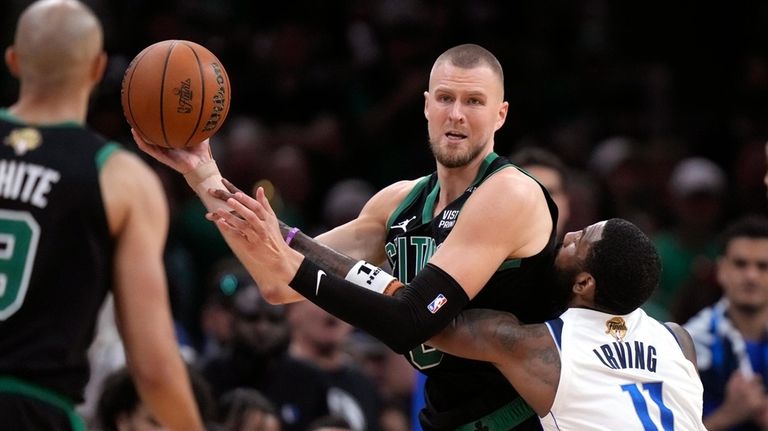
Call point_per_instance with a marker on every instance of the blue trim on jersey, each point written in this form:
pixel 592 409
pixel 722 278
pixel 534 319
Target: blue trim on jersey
pixel 673 335
pixel 556 329
pixel 554 419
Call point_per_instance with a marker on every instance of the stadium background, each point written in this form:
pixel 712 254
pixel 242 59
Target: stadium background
pixel 324 92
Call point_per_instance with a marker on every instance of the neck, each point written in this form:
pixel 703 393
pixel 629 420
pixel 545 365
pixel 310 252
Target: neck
pixel 454 181
pixel 751 323
pixel 42 107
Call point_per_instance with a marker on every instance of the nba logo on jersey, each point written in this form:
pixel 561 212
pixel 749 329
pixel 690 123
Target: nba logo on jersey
pixel 436 303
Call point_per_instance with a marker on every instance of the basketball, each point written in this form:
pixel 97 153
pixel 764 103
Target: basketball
pixel 175 93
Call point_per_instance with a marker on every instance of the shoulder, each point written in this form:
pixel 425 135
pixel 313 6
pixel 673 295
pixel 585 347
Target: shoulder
pixel 129 185
pixel 122 165
pixel 684 339
pixel 386 200
pixel 514 210
pixel 399 190
pixel 512 181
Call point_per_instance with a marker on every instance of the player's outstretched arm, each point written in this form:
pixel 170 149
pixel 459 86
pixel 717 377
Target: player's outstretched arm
pixel 333 250
pixel 525 354
pixel 489 232
pixel 138 218
pixel 195 162
pixel 418 311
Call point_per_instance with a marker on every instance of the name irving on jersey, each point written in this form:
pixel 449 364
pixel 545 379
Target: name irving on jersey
pixel 623 354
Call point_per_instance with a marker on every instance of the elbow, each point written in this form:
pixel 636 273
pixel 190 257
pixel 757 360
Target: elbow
pixel 272 296
pixel 408 340
pixel 401 348
pixel 148 376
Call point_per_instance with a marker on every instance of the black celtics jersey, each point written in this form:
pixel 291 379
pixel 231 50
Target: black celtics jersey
pixel 460 390
pixel 55 252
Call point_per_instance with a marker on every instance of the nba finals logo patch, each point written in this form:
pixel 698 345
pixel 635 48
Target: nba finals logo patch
pixel 436 303
pixel 23 140
pixel 616 327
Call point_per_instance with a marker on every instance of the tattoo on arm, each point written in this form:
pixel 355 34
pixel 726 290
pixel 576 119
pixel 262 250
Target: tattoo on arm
pixel 512 336
pixel 322 255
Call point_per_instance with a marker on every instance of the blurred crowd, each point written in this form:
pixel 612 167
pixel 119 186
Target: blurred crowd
pixel 651 111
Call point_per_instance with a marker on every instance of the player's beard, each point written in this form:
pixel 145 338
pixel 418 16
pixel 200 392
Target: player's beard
pixel 564 279
pixel 455 159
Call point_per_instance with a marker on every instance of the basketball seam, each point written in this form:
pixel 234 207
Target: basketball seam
pixel 162 93
pixel 133 121
pixel 202 95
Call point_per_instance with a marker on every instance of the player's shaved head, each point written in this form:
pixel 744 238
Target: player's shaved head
pixel 56 41
pixel 470 56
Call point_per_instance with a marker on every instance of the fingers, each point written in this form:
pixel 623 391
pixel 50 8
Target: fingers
pixel 257 207
pixel 228 231
pixel 246 219
pixel 261 197
pixel 220 194
pixel 248 208
pixel 228 192
pixel 230 187
pixel 140 141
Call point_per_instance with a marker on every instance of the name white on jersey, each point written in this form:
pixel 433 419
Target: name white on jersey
pixel 26 182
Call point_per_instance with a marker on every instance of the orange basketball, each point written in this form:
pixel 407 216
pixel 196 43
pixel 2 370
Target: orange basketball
pixel 175 93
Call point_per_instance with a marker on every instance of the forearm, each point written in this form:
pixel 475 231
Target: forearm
pixel 469 333
pixel 204 177
pixel 359 272
pixel 328 258
pixel 169 397
pixel 159 371
pixel 416 313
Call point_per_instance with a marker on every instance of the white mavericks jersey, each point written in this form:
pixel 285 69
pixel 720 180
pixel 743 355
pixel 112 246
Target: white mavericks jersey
pixel 622 373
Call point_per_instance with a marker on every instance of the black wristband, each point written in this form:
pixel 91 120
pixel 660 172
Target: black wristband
pixel 421 310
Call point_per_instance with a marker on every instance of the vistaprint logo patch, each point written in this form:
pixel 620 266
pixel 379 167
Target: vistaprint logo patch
pixel 437 303
pixel 448 219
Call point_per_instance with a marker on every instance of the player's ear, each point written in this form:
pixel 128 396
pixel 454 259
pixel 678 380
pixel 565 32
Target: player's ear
pixel 12 61
pixel 502 115
pixel 98 67
pixel 426 104
pixel 584 286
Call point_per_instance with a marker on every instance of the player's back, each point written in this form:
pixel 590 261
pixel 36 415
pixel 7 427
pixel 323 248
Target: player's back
pixel 622 372
pixel 56 251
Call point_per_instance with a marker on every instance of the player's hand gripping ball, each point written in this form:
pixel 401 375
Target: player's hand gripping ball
pixel 175 93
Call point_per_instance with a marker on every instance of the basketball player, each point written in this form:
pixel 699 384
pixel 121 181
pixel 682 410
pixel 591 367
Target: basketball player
pixel 477 229
pixel 78 217
pixel 596 367
pixel 603 364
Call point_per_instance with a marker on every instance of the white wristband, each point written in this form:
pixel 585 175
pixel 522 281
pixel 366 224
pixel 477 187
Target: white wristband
pixel 369 276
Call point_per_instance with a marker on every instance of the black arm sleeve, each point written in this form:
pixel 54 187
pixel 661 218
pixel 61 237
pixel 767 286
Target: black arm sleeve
pixel 419 310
